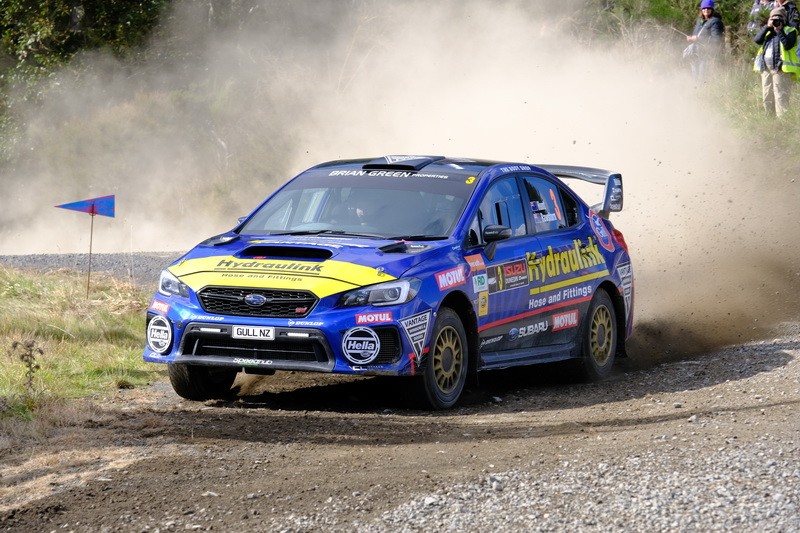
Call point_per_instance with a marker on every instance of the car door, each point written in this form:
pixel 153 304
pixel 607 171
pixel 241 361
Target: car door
pixel 501 281
pixel 565 266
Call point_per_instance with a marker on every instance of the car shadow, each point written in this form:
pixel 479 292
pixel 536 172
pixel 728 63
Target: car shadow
pixel 531 387
pixel 375 411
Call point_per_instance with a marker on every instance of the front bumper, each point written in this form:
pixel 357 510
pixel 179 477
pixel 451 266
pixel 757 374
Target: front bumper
pixel 317 347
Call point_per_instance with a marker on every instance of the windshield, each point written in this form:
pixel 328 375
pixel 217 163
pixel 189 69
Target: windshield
pixel 380 207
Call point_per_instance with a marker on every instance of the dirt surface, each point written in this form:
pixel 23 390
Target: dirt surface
pixel 347 450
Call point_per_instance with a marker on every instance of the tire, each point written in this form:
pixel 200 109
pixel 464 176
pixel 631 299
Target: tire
pixel 446 365
pixel 599 339
pixel 200 383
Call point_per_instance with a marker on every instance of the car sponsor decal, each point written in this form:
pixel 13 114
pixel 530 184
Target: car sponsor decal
pixel 507 276
pixel 314 323
pixel 361 345
pixel 387 174
pixel 626 280
pixel 373 318
pixel 251 362
pixel 416 328
pixel 514 168
pixel 159 334
pixel 534 312
pixel 160 306
pixel 322 278
pixel 541 219
pixel 483 303
pixel 566 294
pixel 206 318
pixel 451 278
pixel 475 262
pixel 480 282
pixel 599 228
pixel 488 341
pixel 545 270
pixel 568 319
pixel 526 331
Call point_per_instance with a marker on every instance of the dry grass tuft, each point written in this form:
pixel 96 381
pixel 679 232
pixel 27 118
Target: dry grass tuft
pixel 87 346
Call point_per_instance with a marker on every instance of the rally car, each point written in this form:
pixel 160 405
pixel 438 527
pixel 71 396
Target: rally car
pixel 422 266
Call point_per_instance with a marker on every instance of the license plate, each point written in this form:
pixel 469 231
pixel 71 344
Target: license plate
pixel 253 333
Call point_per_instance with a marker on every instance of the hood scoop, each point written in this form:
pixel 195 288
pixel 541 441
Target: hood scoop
pixel 285 252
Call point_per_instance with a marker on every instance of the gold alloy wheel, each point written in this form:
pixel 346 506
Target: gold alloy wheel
pixel 600 336
pixel 448 359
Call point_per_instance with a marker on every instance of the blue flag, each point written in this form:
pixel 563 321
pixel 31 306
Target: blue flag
pixel 104 205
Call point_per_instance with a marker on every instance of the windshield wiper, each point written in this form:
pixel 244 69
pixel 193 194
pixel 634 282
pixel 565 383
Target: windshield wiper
pixel 334 232
pixel 417 238
pixel 301 232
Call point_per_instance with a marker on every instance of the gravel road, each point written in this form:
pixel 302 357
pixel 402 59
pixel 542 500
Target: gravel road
pixel 710 443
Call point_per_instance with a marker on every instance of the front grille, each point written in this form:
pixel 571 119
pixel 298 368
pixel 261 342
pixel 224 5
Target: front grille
pixel 279 304
pixel 307 351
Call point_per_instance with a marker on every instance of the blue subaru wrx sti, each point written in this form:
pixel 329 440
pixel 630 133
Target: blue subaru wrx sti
pixel 420 266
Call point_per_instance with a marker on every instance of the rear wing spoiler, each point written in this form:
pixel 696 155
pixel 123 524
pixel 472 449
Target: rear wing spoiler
pixel 612 199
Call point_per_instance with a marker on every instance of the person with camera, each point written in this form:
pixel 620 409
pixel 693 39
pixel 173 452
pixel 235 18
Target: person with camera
pixel 777 62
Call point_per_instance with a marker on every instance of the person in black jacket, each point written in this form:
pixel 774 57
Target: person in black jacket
pixel 792 15
pixel 706 40
pixel 775 61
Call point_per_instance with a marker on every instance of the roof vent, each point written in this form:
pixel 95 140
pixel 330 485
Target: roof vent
pixel 402 162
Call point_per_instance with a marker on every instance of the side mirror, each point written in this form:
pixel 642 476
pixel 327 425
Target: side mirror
pixel 492 234
pixel 496 233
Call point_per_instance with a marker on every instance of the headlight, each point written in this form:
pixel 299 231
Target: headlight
pixel 169 285
pixel 390 293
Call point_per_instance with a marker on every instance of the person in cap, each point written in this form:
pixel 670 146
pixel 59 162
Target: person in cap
pixel 706 40
pixel 777 62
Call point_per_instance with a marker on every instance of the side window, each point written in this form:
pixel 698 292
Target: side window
pixel 570 209
pixel 501 205
pixel 550 208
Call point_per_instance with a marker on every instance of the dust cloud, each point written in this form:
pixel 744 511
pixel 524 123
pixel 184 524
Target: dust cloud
pixel 230 101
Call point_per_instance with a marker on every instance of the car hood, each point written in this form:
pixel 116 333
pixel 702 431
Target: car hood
pixel 322 265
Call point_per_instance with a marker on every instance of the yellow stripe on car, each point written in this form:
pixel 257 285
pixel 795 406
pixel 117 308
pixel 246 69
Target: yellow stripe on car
pixel 321 278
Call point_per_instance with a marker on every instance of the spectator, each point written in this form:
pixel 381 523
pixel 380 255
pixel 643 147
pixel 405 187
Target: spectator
pixel 777 62
pixel 759 14
pixel 705 41
pixel 792 16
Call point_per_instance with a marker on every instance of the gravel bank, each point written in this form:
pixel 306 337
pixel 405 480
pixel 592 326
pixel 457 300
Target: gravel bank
pixel 142 269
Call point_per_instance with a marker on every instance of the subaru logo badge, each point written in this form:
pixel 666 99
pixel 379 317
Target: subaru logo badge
pixel 256 300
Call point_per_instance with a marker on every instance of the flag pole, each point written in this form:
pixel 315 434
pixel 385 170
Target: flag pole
pixel 91 234
pixel 103 205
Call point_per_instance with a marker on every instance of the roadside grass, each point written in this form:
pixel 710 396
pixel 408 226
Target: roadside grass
pixel 89 346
